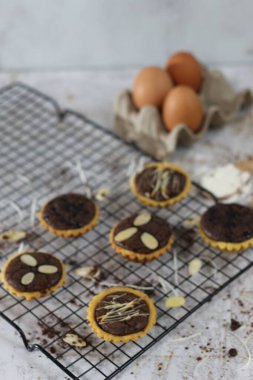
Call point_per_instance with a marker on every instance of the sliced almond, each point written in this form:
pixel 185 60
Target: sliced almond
pixel 47 269
pixel 191 222
pixel 149 240
pixel 142 219
pixel 12 235
pixel 102 193
pixel 174 302
pixel 125 234
pixel 29 260
pixel 88 272
pixel 194 266
pixel 74 340
pixel 27 278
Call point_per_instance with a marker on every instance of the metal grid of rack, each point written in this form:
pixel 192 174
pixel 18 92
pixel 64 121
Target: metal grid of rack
pixel 39 146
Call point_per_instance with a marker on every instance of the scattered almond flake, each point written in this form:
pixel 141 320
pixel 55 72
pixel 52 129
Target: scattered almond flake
pixel 88 272
pixel 182 339
pixel 194 266
pixel 33 212
pixel 109 284
pixel 74 340
pixel 16 207
pixel 174 302
pixel 175 267
pixel 191 222
pixel 83 178
pixel 13 235
pixel 246 347
pixel 102 193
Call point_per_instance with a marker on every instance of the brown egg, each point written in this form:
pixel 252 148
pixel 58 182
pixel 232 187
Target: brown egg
pixel 182 106
pixel 151 86
pixel 185 69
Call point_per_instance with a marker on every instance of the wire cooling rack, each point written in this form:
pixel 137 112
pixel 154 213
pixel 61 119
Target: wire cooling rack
pixel 39 145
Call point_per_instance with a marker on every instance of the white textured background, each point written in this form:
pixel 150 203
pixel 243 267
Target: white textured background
pixel 53 34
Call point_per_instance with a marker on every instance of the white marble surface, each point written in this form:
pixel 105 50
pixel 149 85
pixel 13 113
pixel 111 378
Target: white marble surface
pixel 92 93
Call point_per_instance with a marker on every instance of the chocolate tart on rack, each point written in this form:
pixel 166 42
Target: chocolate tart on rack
pixel 227 227
pixel 32 275
pixel 160 184
pixel 141 237
pixel 69 215
pixel 121 314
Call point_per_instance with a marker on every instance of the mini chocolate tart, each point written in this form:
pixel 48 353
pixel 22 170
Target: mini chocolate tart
pixel 69 215
pixel 121 314
pixel 228 227
pixel 160 184
pixel 141 237
pixel 33 275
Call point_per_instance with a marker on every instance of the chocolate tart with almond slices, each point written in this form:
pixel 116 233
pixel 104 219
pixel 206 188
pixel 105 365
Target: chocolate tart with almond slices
pixel 228 227
pixel 121 314
pixel 141 237
pixel 69 215
pixel 32 275
pixel 160 184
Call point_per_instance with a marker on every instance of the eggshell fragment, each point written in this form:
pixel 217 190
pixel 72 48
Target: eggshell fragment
pixel 151 86
pixel 185 69
pixel 182 106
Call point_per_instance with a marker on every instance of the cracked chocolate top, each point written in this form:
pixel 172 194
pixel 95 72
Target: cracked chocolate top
pixel 69 211
pixel 228 223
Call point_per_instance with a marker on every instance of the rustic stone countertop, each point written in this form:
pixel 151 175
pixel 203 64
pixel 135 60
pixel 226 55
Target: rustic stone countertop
pixel 205 356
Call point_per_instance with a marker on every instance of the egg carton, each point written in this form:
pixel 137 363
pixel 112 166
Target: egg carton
pixel 145 127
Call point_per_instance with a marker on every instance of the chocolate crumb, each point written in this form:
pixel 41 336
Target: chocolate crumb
pixel 234 325
pixel 71 262
pixel 232 352
pixel 52 350
pixel 160 366
pixel 199 358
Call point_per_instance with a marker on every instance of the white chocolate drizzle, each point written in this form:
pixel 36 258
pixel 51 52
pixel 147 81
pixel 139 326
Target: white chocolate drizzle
pixel 120 312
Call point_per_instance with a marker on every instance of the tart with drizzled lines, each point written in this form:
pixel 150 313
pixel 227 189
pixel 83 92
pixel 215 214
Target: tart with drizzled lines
pixel 121 314
pixel 160 184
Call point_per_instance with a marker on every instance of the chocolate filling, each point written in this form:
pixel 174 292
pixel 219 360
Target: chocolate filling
pixel 172 183
pixel 156 227
pixel 41 282
pixel 128 318
pixel 228 223
pixel 69 211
